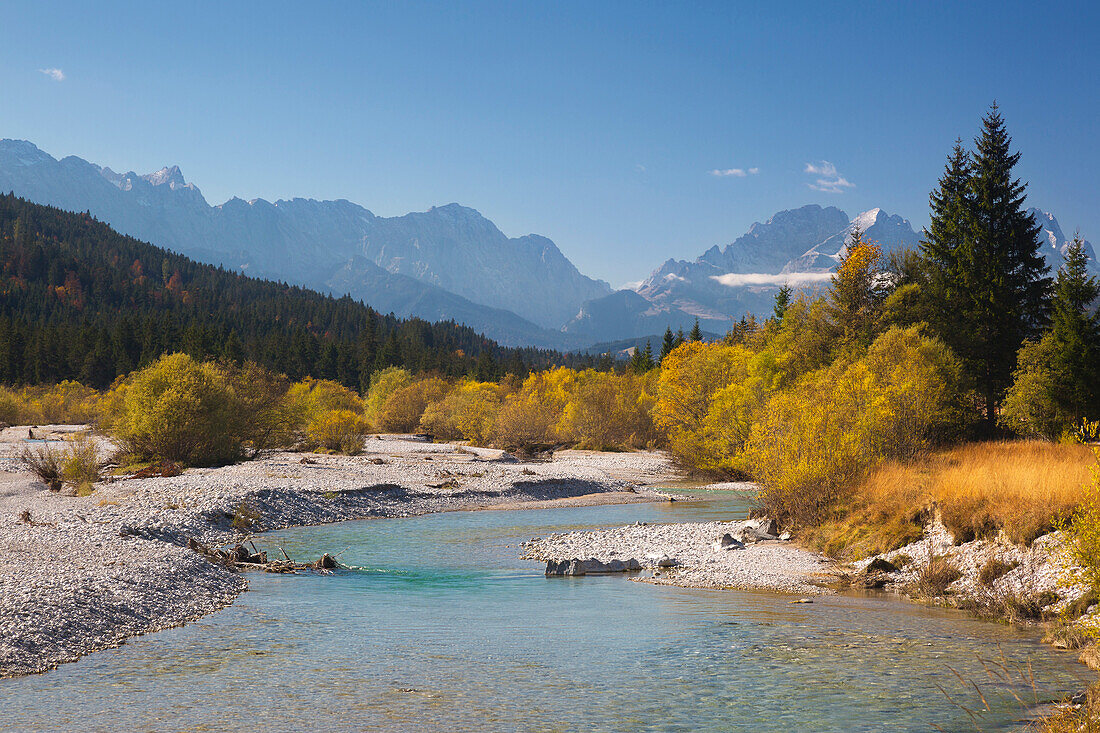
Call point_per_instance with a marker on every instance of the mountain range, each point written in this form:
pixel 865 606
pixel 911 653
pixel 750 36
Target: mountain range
pixel 451 263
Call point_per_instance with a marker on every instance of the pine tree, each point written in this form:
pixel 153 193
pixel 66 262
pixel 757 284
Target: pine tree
pixel 696 332
pixel 782 301
pixel 648 355
pixel 986 275
pixel 1011 300
pixel 668 343
pixel 1075 333
pixel 637 361
pixel 679 338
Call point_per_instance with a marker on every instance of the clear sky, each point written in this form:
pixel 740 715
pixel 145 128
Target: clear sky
pixel 598 124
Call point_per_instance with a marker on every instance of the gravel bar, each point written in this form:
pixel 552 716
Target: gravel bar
pixel 79 574
pixel 697 560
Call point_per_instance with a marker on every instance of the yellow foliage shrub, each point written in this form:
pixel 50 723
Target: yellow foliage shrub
pixel 181 410
pixel 403 409
pixel 383 384
pixel 468 412
pixel 609 411
pixel 330 414
pixel 531 415
pixel 691 375
pixel 814 440
pixel 67 403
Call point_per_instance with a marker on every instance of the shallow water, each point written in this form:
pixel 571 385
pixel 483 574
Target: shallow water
pixel 442 628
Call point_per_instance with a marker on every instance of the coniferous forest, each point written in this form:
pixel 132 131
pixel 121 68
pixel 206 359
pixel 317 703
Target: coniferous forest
pixel 80 301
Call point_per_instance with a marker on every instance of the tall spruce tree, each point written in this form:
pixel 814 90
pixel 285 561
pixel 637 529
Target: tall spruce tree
pixel 696 332
pixel 668 343
pixel 1075 332
pixel 782 302
pixel 985 270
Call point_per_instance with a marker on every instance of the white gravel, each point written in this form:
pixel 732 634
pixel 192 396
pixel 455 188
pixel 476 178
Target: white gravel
pixel 767 565
pixel 1042 567
pixel 88 572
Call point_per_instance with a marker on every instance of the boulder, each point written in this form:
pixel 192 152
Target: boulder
pixel 748 535
pixel 665 562
pixel 767 526
pixel 590 566
pixel 726 541
pixel 880 565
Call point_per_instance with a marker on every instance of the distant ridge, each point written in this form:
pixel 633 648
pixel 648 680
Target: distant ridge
pixel 453 262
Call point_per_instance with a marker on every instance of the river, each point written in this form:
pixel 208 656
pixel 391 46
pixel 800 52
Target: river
pixel 441 627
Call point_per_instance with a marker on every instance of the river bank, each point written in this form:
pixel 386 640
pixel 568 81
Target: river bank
pixel 78 574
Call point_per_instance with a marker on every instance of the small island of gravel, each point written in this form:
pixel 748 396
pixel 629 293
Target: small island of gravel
pixel 692 555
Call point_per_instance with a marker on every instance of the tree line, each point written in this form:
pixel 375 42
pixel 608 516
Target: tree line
pixel 78 301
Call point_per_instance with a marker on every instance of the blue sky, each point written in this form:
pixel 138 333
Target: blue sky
pixel 599 125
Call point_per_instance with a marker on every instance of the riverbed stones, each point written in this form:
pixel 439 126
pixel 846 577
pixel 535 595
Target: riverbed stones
pixel 591 566
pixel 86 573
pixel 726 541
pixel 763 565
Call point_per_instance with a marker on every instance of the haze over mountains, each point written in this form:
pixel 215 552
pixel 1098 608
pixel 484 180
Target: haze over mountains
pixel 451 263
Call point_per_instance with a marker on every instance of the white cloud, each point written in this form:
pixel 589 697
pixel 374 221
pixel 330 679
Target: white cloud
pixel 735 172
pixel 828 178
pixel 55 74
pixel 794 279
pixel 633 285
pixel 639 168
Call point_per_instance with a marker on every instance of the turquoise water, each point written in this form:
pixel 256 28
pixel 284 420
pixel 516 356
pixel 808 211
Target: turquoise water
pixel 442 628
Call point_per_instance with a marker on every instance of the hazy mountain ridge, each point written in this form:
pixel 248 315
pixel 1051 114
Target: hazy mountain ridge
pixel 451 263
pixel 311 242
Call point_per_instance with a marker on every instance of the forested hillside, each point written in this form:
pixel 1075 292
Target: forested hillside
pixel 80 301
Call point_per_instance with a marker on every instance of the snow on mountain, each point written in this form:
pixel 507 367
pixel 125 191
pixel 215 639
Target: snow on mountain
pixel 800 248
pixel 1056 243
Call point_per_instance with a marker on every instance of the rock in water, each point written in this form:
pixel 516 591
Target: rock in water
pixel 576 566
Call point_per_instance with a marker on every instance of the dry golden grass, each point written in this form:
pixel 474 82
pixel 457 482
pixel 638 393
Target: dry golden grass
pixel 1025 488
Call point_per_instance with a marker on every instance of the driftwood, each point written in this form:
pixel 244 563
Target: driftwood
pixel 239 558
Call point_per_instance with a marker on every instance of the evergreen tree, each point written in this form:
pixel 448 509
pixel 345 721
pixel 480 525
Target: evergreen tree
pixel 696 332
pixel 668 343
pixel 637 361
pixel 782 301
pixel 486 367
pixel 648 355
pixel 985 272
pixel 1075 332
pixel 679 338
pixel 232 349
